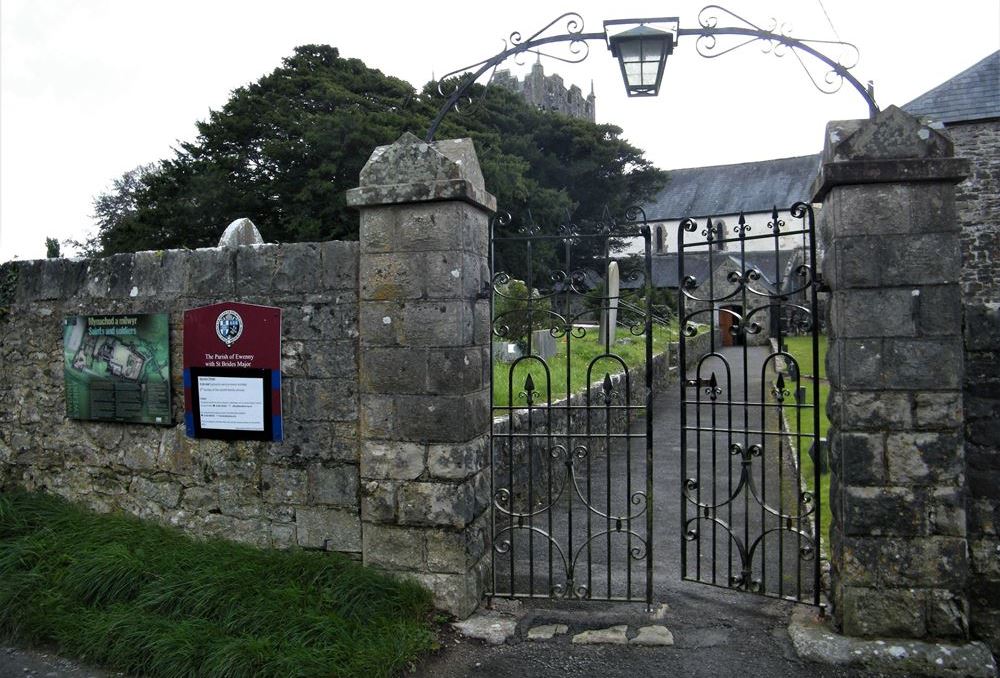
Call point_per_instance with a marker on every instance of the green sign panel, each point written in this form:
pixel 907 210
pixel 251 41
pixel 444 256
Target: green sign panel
pixel 118 367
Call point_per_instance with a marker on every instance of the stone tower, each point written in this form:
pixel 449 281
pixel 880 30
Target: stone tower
pixel 549 93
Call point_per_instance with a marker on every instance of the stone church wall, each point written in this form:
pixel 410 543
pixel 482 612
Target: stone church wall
pixel 978 202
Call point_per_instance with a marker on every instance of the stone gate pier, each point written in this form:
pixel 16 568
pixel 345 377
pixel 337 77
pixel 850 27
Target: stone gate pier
pixel 899 534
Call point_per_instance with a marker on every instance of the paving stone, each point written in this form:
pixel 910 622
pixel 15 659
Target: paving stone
pixel 653 635
pixel 493 627
pixel 546 631
pixel 613 635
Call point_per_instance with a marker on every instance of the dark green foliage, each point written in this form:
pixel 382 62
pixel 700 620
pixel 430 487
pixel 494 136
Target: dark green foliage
pixel 149 601
pixel 284 150
pixel 52 248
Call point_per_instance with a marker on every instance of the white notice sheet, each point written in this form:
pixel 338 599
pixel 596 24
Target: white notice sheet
pixel 231 403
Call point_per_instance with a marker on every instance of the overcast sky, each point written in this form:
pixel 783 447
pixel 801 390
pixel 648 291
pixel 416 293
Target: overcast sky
pixel 92 88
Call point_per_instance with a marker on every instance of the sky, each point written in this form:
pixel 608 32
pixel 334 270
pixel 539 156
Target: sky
pixel 92 88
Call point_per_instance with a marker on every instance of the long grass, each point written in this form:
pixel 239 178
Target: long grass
pixel 147 600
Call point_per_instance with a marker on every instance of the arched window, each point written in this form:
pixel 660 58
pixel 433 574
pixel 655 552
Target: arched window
pixel 659 239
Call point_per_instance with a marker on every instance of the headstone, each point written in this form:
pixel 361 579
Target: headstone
pixel 240 232
pixel 610 314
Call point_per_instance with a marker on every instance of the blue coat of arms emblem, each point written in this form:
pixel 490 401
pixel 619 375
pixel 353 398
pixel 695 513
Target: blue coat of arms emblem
pixel 229 327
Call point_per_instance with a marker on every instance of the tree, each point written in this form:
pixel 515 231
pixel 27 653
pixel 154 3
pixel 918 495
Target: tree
pixel 284 150
pixel 52 248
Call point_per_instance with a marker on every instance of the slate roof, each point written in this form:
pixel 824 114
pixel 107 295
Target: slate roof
pixel 973 94
pixel 730 189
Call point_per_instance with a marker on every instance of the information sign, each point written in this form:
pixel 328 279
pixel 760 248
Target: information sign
pixel 117 367
pixel 232 372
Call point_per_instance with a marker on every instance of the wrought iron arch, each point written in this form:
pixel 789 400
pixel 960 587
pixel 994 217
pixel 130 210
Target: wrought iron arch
pixel 707 44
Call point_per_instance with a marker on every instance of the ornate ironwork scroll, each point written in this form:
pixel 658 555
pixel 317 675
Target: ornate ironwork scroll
pixel 750 507
pixel 571 475
pixel 455 85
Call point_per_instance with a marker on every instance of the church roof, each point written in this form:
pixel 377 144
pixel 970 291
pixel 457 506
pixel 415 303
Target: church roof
pixel 973 94
pixel 730 189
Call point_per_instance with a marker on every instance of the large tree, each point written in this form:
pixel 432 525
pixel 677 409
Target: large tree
pixel 283 151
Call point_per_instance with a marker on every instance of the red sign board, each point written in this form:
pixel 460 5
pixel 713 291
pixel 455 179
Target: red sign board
pixel 232 372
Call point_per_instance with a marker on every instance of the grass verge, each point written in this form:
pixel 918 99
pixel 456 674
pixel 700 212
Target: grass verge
pixel 630 348
pixel 147 600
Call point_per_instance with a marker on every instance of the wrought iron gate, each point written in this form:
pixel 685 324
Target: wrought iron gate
pixel 571 477
pixel 750 507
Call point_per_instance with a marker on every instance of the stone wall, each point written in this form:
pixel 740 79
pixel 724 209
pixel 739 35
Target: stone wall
pixel 303 491
pixel 978 201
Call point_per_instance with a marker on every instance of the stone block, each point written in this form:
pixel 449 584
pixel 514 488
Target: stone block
pixel 314 441
pixel 923 363
pixel 921 259
pixel 457 594
pixel 879 312
pixel 858 262
pixel 947 614
pixel 984 557
pixel 339 261
pixel 378 416
pixel 393 548
pixel 455 370
pixel 982 327
pixel 437 504
pixel 442 418
pixel 294 262
pixel 946 514
pixel 882 511
pixel 212 273
pixel 328 528
pixel 451 274
pixel 391 276
pixel 861 366
pixel 324 400
pixel 255 268
pixel 330 359
pixel 282 536
pixel 859 559
pixel 165 494
pixel 161 274
pixel 200 499
pixel 454 551
pixel 395 370
pixel 378 501
pixel 416 323
pixel 937 410
pixel 874 410
pixel 884 612
pixel 392 460
pixel 924 562
pixel 321 322
pixel 858 457
pixel 334 486
pixel 458 461
pixel 924 458
pixel 940 310
pixel 284 485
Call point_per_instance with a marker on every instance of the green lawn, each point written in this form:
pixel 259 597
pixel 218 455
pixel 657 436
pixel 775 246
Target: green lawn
pixel 801 349
pixel 631 348
pixel 146 600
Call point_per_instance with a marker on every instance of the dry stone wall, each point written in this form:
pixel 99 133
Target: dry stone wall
pixel 302 491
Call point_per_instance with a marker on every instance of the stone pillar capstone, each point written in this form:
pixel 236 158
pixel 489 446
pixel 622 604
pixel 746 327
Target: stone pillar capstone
pixel 424 366
pixel 892 262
